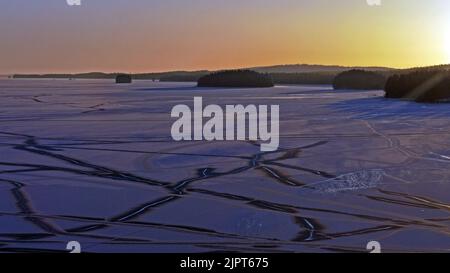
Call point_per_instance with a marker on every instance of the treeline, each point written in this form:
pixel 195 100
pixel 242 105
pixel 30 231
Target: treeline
pixel 423 85
pixel 303 78
pixel 278 78
pixel 194 76
pixel 359 80
pixel 100 75
pixel 236 78
pixel 174 75
pixel 91 75
pixel 183 77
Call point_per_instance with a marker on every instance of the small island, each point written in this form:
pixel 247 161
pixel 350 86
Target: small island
pixel 420 86
pixel 123 78
pixel 359 80
pixel 236 78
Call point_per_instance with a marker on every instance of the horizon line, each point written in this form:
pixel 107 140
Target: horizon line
pixel 221 69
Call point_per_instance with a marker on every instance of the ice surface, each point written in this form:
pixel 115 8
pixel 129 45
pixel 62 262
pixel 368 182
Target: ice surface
pixel 94 162
pixel 350 182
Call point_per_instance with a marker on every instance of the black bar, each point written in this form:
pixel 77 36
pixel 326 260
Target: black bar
pixel 233 262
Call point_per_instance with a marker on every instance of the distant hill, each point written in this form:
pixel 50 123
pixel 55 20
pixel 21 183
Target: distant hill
pixel 308 68
pixel 429 68
pixel 101 75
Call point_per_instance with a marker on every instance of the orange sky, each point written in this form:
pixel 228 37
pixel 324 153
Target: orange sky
pixel 145 36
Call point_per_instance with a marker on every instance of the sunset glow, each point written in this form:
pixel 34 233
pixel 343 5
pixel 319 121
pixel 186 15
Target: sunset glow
pixel 446 43
pixel 145 36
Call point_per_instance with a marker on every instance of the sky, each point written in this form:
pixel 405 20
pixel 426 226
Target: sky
pixel 49 36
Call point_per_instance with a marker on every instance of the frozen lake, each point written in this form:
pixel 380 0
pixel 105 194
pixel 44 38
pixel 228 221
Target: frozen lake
pixel 94 162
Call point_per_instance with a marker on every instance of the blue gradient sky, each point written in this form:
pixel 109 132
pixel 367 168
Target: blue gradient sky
pixel 156 35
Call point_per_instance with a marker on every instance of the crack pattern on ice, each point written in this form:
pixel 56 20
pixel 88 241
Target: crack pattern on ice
pixel 354 181
pixel 213 198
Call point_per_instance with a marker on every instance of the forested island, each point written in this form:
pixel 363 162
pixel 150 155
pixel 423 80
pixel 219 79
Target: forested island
pixel 236 78
pixel 429 85
pixel 359 80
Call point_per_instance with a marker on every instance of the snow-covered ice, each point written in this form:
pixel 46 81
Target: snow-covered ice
pixel 94 162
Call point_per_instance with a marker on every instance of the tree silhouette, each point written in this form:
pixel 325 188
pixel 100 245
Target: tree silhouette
pixel 123 78
pixel 359 79
pixel 424 85
pixel 236 78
